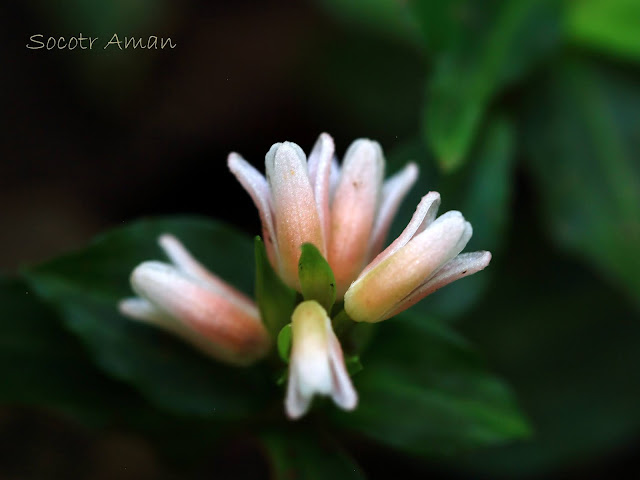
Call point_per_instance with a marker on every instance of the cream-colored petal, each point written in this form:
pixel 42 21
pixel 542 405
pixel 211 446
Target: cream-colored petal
pixel 316 364
pixel 394 190
pixel 423 216
pixel 296 215
pixel 353 211
pixel 378 292
pixel 459 267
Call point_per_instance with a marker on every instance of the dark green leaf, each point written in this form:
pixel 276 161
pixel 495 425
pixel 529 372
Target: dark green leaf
pixel 297 454
pixel 85 286
pixel 316 277
pixel 43 365
pixel 582 142
pixel 496 43
pixel 482 191
pixel 569 346
pixel 611 26
pixel 426 392
pixel 275 299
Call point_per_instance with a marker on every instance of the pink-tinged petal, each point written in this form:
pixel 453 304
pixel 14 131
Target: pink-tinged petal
pixel 319 176
pixel 393 192
pixel 316 365
pixel 233 333
pixel 461 266
pixel 353 211
pixel 258 189
pixel 424 215
pixel 185 262
pixel 296 215
pixel 377 293
pixel 334 178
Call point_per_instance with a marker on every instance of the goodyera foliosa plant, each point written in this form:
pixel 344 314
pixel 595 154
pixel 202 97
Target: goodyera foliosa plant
pixel 345 213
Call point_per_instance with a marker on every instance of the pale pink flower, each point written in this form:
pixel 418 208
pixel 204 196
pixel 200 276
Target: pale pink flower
pixel 344 211
pixel 186 299
pixel 316 364
pixel 424 258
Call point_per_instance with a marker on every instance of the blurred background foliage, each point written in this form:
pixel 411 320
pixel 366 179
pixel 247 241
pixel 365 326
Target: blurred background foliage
pixel 523 114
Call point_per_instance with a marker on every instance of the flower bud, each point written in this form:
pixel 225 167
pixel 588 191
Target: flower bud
pixel 422 259
pixel 191 302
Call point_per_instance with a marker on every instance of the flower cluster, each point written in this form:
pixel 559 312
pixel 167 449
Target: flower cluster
pixel 345 212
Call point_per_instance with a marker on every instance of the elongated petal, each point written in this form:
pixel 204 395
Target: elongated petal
pixel 316 365
pixel 423 217
pixel 294 206
pixel 377 293
pixel 393 192
pixel 320 176
pixel 461 266
pixel 353 211
pixel 144 311
pixel 257 187
pixel 185 262
pixel 343 393
pixel 235 334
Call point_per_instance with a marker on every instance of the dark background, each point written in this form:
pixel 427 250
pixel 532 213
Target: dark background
pixel 94 139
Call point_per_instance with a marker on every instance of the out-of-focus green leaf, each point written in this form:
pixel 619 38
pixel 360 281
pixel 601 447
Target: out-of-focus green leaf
pixel 426 392
pixel 43 365
pixel 495 43
pixel 568 344
pixel 389 18
pixel 85 286
pixel 611 26
pixel 307 455
pixel 316 277
pixel 275 299
pixel 582 140
pixel 482 191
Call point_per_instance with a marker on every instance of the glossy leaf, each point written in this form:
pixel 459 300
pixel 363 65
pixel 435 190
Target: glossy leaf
pixel 426 392
pixel 84 288
pixel 582 144
pixel 307 455
pixel 275 299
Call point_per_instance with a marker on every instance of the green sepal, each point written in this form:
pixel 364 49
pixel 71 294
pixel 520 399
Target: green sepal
pixel 284 343
pixel 276 300
pixel 316 277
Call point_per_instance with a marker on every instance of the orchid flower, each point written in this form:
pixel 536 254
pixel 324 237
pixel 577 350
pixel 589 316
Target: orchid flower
pixel 316 365
pixel 191 302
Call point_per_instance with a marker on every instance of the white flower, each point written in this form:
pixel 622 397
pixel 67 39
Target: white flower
pixel 316 365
